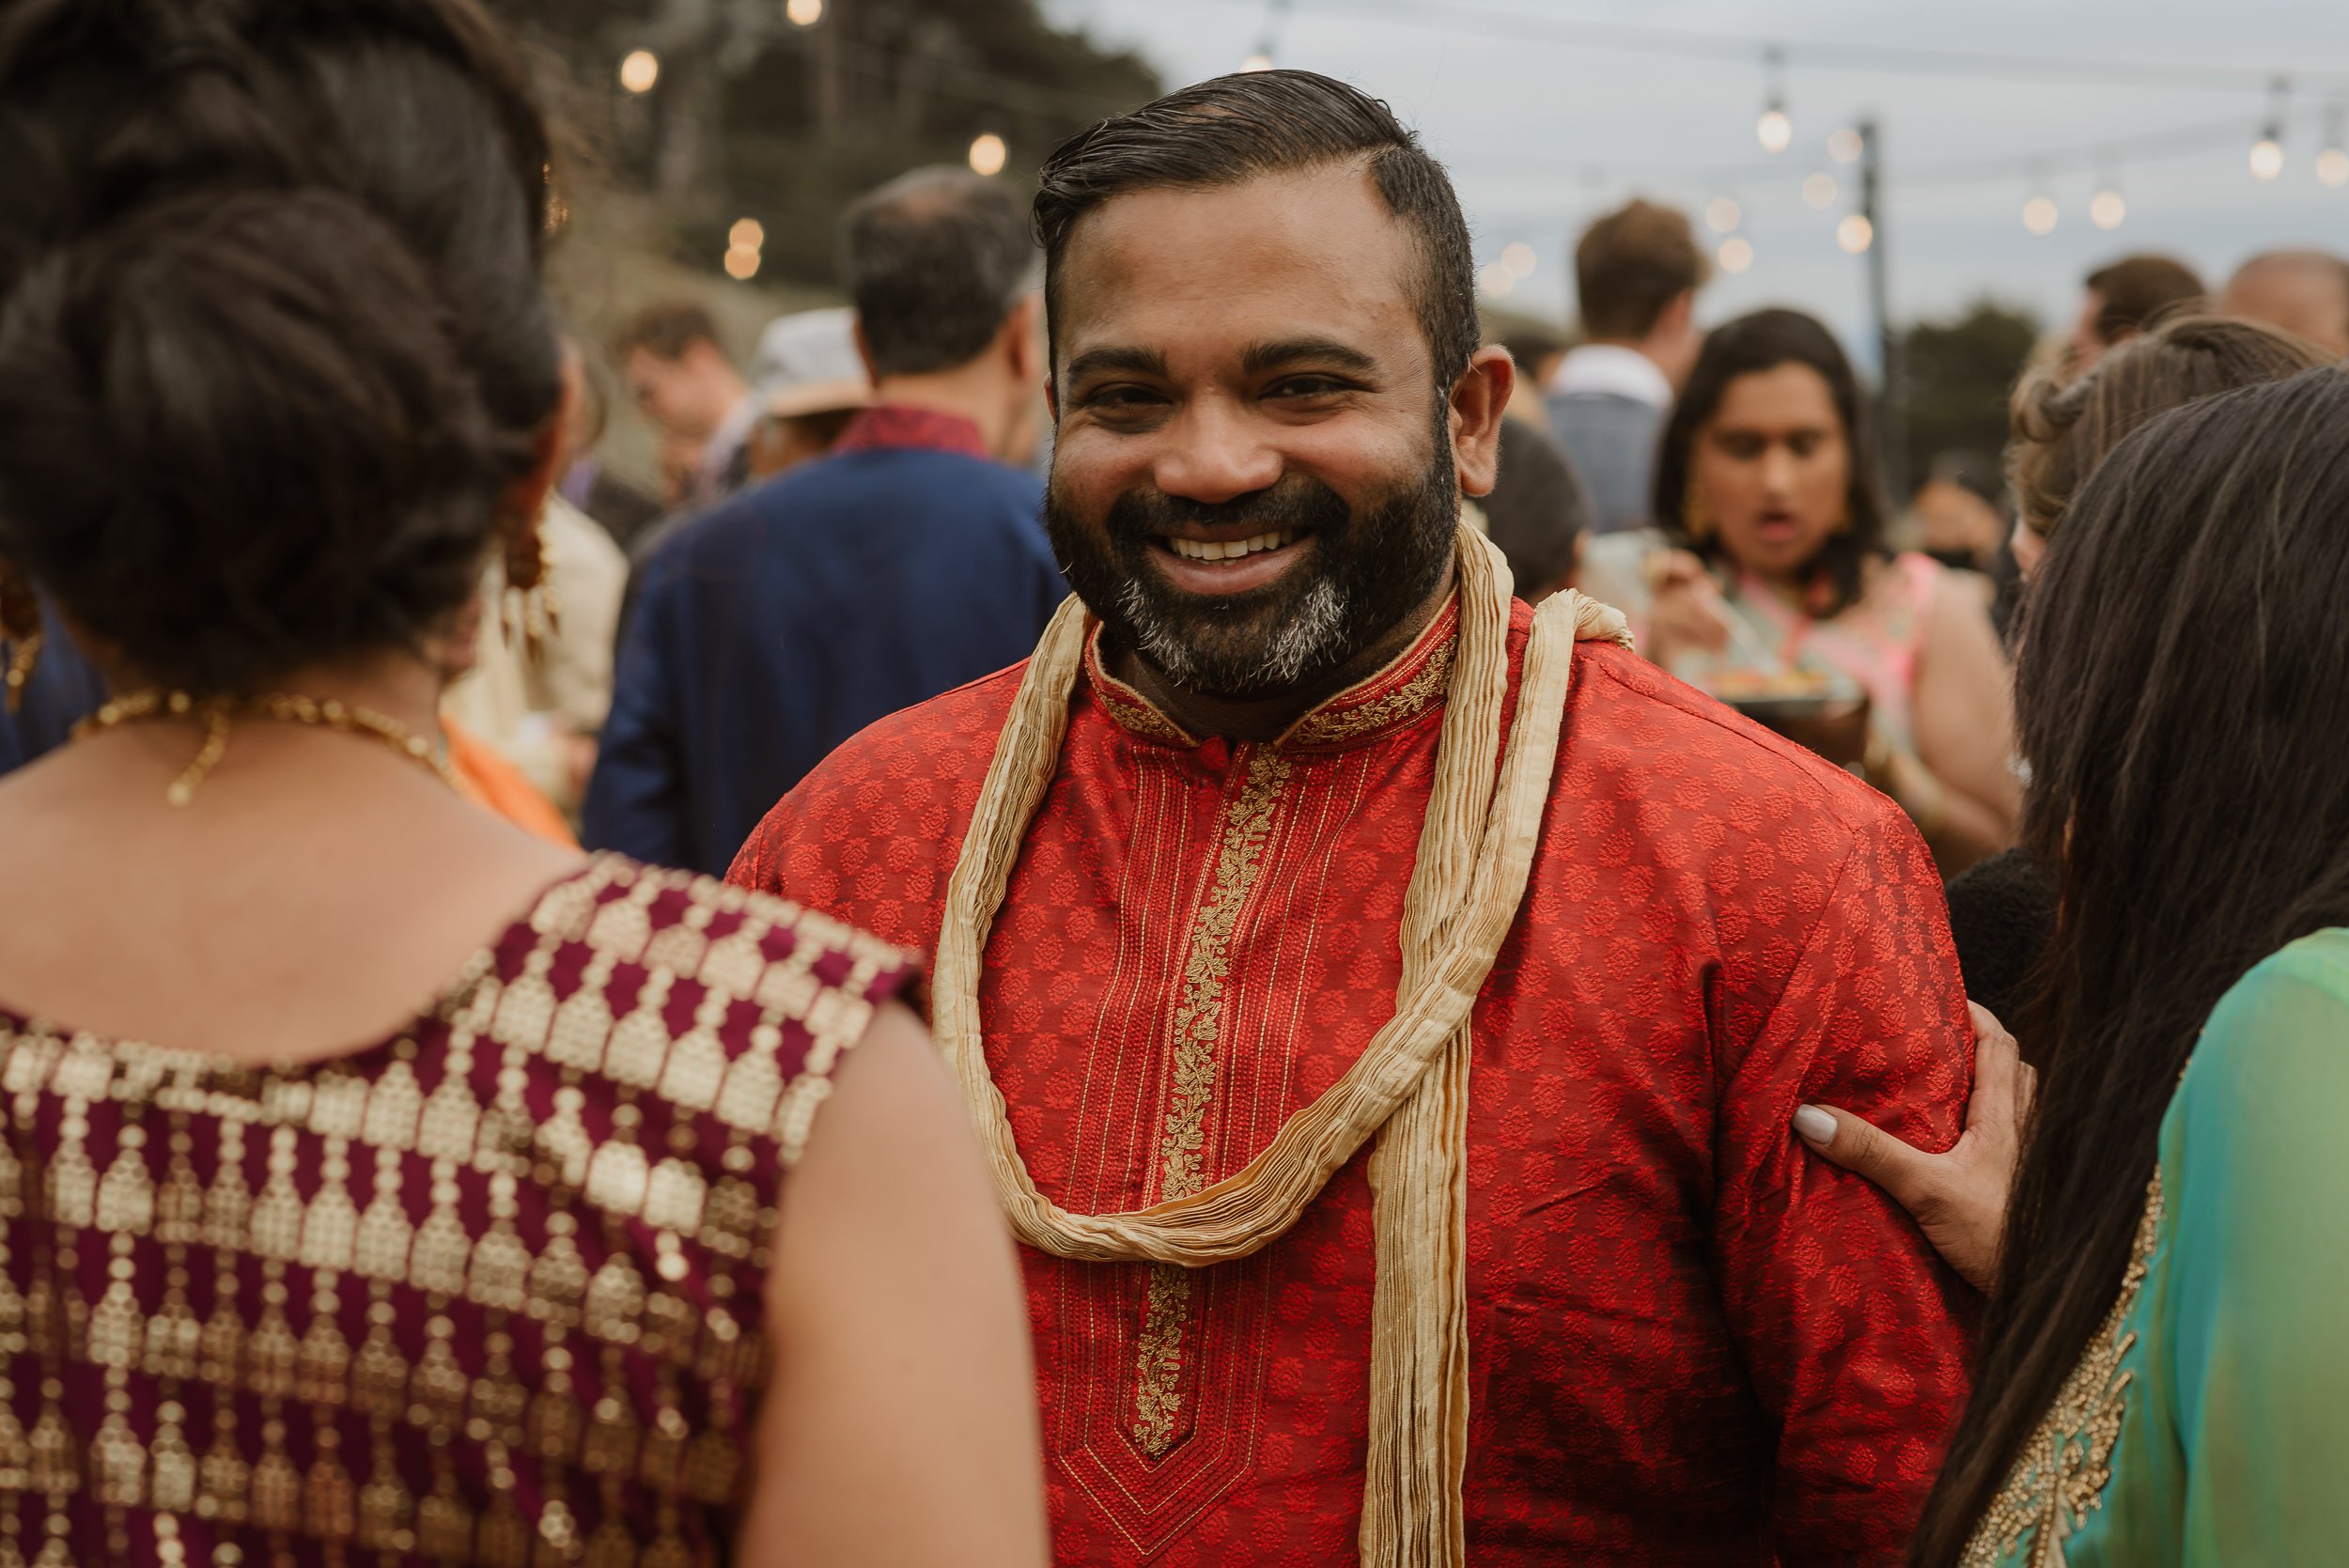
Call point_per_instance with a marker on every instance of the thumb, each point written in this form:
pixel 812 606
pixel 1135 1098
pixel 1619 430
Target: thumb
pixel 1864 1149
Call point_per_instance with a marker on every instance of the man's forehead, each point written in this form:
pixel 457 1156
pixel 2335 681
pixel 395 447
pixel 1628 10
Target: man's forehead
pixel 1306 251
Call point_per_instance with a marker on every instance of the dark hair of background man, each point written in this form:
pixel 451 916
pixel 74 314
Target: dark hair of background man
pixel 1630 265
pixel 1240 128
pixel 934 261
pixel 2138 291
pixel 666 331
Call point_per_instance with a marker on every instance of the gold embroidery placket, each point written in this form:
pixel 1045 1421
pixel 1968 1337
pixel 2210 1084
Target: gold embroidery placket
pixel 1182 1142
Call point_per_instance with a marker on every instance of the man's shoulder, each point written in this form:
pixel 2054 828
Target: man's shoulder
pixel 1654 739
pixel 857 491
pixel 910 775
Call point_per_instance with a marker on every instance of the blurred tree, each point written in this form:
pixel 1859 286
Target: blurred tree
pixel 756 116
pixel 1959 373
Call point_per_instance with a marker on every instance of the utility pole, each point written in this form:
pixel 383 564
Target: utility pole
pixel 1892 395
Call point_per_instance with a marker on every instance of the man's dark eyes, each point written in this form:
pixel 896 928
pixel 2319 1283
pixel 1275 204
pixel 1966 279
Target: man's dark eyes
pixel 1117 398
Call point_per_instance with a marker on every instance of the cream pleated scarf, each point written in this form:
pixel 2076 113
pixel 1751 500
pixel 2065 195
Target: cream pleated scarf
pixel 1410 1084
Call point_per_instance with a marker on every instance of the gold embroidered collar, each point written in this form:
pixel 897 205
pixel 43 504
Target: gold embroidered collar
pixel 1409 686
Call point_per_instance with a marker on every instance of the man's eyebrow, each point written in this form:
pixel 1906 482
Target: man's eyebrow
pixel 1133 361
pixel 1257 358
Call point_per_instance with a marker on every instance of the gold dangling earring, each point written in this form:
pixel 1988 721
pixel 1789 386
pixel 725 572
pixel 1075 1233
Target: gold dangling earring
pixel 529 605
pixel 21 628
pixel 1696 514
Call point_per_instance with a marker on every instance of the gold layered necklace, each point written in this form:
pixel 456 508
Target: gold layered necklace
pixel 217 712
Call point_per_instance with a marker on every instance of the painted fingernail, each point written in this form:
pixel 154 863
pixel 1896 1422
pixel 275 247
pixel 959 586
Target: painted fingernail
pixel 1814 1125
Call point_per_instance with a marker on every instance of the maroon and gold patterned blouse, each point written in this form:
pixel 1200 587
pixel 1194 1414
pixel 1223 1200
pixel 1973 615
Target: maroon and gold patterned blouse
pixel 489 1292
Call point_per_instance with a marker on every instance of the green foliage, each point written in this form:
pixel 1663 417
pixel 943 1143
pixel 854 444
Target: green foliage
pixel 1959 373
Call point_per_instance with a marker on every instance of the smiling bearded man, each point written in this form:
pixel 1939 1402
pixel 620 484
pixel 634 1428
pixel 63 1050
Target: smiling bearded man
pixel 1384 1005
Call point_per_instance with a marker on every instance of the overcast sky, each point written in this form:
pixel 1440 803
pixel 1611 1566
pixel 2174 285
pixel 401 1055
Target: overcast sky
pixel 1542 132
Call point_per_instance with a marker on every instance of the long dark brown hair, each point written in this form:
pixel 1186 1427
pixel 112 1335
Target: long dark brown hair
pixel 2183 695
pixel 1747 345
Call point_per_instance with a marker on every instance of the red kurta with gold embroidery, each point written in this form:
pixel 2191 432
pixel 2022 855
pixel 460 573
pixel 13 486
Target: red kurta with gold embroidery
pixel 1691 1340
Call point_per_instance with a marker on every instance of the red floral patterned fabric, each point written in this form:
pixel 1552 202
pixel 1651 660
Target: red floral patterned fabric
pixel 1691 1340
pixel 488 1292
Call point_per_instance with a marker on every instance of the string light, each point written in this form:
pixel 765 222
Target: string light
pixel 640 72
pixel 1722 214
pixel 1819 191
pixel 1774 130
pixel 2267 153
pixel 1496 281
pixel 987 153
pixel 2108 209
pixel 1258 61
pixel 1517 258
pixel 804 14
pixel 1845 147
pixel 2332 164
pixel 1855 232
pixel 1735 254
pixel 2039 214
pixel 743 242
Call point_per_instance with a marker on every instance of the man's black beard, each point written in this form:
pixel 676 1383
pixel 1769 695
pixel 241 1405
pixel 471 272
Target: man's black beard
pixel 1368 570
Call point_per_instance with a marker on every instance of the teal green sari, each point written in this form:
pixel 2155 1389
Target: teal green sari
pixel 2208 1423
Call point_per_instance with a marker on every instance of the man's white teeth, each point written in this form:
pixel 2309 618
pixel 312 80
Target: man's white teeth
pixel 1211 550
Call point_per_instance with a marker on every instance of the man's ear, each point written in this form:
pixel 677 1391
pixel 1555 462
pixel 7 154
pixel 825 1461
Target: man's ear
pixel 1023 333
pixel 1677 316
pixel 1478 398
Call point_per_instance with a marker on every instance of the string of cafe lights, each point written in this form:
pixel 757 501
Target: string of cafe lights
pixel 2108 207
pixel 2041 212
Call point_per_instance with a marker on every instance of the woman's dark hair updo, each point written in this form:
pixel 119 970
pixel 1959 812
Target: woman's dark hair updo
pixel 1751 345
pixel 272 340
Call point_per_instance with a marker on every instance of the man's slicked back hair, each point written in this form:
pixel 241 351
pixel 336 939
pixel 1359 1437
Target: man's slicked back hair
pixel 1240 128
pixel 934 263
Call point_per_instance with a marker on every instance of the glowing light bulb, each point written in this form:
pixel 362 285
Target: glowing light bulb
pixel 1774 131
pixel 1846 147
pixel 2332 166
pixel 2108 209
pixel 1496 281
pixel 640 72
pixel 1723 214
pixel 988 152
pixel 742 263
pixel 2039 215
pixel 1517 258
pixel 1855 234
pixel 2268 159
pixel 1258 61
pixel 747 235
pixel 1735 254
pixel 804 14
pixel 1819 190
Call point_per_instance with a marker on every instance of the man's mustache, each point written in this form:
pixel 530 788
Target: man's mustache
pixel 1141 515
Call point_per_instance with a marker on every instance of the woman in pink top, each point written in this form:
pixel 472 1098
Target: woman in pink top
pixel 1781 573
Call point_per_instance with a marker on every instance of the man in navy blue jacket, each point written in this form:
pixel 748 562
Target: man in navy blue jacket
pixel 910 560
